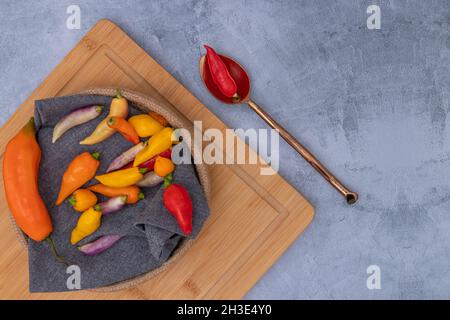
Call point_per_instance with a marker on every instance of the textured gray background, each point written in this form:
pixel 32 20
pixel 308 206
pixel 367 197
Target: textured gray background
pixel 372 104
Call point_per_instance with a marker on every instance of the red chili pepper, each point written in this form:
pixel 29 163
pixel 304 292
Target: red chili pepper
pixel 220 74
pixel 150 164
pixel 178 202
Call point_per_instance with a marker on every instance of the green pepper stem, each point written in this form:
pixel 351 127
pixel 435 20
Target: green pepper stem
pixel 72 201
pixel 30 126
pixel 54 252
pixel 111 121
pixel 95 155
pixel 143 170
pixel 168 180
pixel 141 195
pixel 118 93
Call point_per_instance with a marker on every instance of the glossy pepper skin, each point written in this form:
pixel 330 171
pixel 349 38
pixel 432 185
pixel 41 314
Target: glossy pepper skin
pixel 178 202
pixel 132 193
pixel 122 178
pixel 150 163
pixel 163 166
pixel 124 128
pixel 220 74
pixel 118 108
pixel 82 169
pixel 82 199
pixel 158 143
pixel 145 125
pixel 162 121
pixel 20 177
pixel 75 118
pixel 87 224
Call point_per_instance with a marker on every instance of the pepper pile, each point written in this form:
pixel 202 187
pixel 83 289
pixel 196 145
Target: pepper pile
pixel 145 164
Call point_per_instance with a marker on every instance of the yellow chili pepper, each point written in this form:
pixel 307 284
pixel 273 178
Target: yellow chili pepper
pixel 118 108
pixel 122 178
pixel 158 143
pixel 145 125
pixel 163 166
pixel 82 199
pixel 87 224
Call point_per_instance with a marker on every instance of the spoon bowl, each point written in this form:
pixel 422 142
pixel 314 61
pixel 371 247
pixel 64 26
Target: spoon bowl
pixel 236 71
pixel 242 80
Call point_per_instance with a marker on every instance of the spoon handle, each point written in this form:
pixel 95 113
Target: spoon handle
pixel 351 197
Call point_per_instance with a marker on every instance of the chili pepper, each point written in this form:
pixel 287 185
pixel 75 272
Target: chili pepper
pixel 80 170
pixel 158 143
pixel 118 108
pixel 75 118
pixel 162 121
pixel 150 179
pixel 87 224
pixel 133 193
pixel 126 157
pixel 145 125
pixel 82 199
pixel 163 166
pixel 113 205
pixel 124 128
pixel 150 164
pixel 178 202
pixel 122 178
pixel 98 246
pixel 220 74
pixel 20 177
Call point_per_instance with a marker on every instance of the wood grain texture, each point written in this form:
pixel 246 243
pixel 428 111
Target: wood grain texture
pixel 254 218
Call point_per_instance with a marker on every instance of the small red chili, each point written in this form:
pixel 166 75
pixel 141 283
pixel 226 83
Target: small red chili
pixel 220 74
pixel 178 202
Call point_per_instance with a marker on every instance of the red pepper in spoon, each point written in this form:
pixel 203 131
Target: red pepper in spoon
pixel 220 74
pixel 241 79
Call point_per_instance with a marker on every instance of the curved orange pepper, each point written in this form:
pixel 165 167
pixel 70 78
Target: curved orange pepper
pixel 20 176
pixel 80 170
pixel 133 193
pixel 124 128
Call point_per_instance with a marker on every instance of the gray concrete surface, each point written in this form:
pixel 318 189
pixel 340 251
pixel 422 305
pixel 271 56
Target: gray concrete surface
pixel 372 104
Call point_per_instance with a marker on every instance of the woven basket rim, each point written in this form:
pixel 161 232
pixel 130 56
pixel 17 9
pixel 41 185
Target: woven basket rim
pixel 144 104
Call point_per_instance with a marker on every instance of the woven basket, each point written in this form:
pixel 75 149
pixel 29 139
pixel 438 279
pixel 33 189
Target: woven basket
pixel 146 104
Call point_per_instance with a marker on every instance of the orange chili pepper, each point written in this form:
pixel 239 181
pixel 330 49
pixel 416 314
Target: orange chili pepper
pixel 162 121
pixel 163 166
pixel 82 169
pixel 82 199
pixel 124 128
pixel 133 193
pixel 20 176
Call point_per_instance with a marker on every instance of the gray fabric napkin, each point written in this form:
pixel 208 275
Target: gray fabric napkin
pixel 150 232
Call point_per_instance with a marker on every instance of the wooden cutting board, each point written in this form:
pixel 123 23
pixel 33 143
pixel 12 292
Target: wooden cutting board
pixel 254 218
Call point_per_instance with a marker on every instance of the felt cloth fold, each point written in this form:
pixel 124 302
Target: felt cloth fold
pixel 150 233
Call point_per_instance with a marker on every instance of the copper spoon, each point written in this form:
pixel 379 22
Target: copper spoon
pixel 242 80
